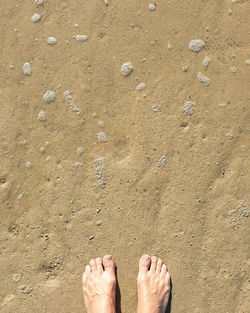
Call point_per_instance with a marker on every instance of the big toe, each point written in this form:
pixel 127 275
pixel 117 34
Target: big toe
pixel 109 263
pixel 144 263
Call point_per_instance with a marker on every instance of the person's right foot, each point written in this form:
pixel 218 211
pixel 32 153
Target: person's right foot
pixel 153 285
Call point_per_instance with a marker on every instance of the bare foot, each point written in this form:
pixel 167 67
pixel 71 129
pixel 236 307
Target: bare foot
pixel 99 285
pixel 153 285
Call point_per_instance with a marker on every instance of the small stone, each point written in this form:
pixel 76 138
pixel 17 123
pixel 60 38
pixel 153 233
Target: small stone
pixel 127 68
pixel 141 86
pixel 99 223
pixel 101 124
pixel 91 237
pixel 162 162
pixel 27 69
pixel 35 18
pixel 151 7
pixel 80 150
pixel 81 38
pixel 28 164
pixel 244 148
pixel 76 25
pixel 20 196
pixel 169 46
pixel 229 136
pixel 52 41
pixel 26 289
pixel 222 105
pixel 48 158
pixel 94 114
pixel 49 96
pixel 39 2
pixel 247 62
pixel 100 170
pixel 156 108
pixel 11 67
pixel 102 137
pixel 185 68
pixel 46 143
pixel 42 149
pixel 188 108
pixel 233 69
pixel 77 164
pixel 203 79
pixel 106 2
pixel 17 278
pixel 230 11
pixel 196 45
pixel 234 1
pixel 41 116
pixel 206 61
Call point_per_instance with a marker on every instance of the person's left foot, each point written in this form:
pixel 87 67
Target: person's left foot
pixel 99 285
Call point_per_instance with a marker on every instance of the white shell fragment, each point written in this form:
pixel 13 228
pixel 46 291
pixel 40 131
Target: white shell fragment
pixel 141 86
pixel 156 108
pixel 49 96
pixel 81 38
pixel 27 69
pixel 188 108
pixel 162 162
pixel 106 2
pixel 35 18
pixel 126 68
pixel 102 137
pixel 39 2
pixel 234 1
pixel 99 165
pixel 51 41
pixel 196 45
pixel 206 61
pixel 247 62
pixel 233 69
pixel 151 7
pixel 203 79
pixel 41 116
pixel 169 46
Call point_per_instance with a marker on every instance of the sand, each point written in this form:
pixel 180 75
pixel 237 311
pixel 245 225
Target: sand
pixel 164 182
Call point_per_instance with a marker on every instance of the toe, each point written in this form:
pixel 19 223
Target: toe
pixel 87 272
pixel 164 270
pixel 153 264
pixel 144 263
pixel 158 266
pixel 168 278
pixel 99 266
pixel 109 263
pixel 92 264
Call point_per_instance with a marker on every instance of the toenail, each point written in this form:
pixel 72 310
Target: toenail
pixel 98 260
pixel 146 258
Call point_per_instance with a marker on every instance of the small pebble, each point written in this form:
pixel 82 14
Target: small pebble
pixel 94 114
pixel 196 45
pixel 222 105
pixel 20 196
pixel 39 2
pixel 102 137
pixel 106 2
pixel 81 38
pixel 169 46
pixel 188 108
pixel 101 124
pixel 76 25
pixel 52 41
pixel 49 96
pixel 206 61
pixel 127 68
pixel 28 164
pixel 162 162
pixel 27 69
pixel 229 136
pixel 230 11
pixel 17 278
pixel 247 62
pixel 234 1
pixel 244 148
pixel 46 143
pixel 99 223
pixel 48 158
pixel 41 116
pixel 203 79
pixel 91 237
pixel 77 164
pixel 156 108
pixel 151 7
pixel 141 86
pixel 42 149
pixel 80 150
pixel 100 170
pixel 233 69
pixel 11 67
pixel 35 18
pixel 185 68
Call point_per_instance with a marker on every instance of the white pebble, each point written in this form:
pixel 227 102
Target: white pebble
pixel 102 136
pixel 229 136
pixel 151 7
pixel 188 108
pixel 203 79
pixel 35 18
pixel 77 164
pixel 100 170
pixel 11 67
pixel 230 11
pixel 48 158
pixel 141 86
pixel 196 45
pixel 156 108
pixel 169 46
pixel 162 162
pixel 51 40
pixel 94 114
pixel 27 69
pixel 41 116
pixel 81 38
pixel 39 2
pixel 80 150
pixel 244 148
pixel 101 124
pixel 46 143
pixel 20 196
pixel 49 96
pixel 247 62
pixel 233 69
pixel 222 105
pixel 106 2
pixel 76 25
pixel 234 1
pixel 206 61
pixel 42 149
pixel 28 164
pixel 126 68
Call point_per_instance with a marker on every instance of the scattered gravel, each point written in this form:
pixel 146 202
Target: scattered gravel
pixel 27 69
pixel 196 45
pixel 162 162
pixel 141 86
pixel 99 165
pixel 81 38
pixel 151 7
pixel 206 61
pixel 52 41
pixel 127 68
pixel 35 18
pixel 41 116
pixel 49 96
pixel 188 108
pixel 102 137
pixel 203 79
pixel 26 289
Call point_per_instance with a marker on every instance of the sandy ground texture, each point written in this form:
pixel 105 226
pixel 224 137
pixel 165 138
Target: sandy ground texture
pixel 100 166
